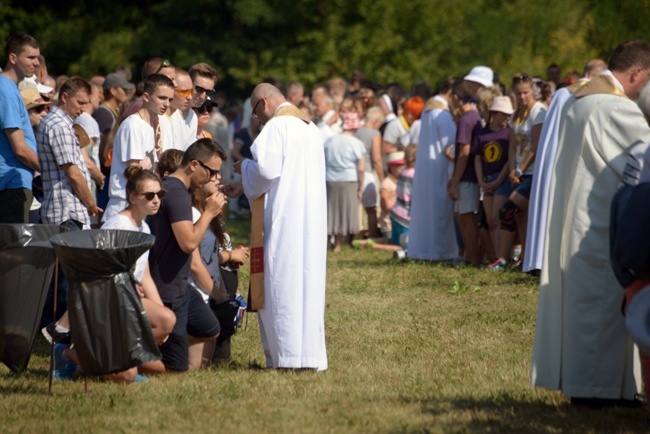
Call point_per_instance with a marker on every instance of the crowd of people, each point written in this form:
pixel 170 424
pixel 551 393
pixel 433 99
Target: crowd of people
pixel 505 176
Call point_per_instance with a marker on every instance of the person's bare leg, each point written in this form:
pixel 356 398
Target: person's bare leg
pixel 198 347
pixel 469 233
pixel 162 320
pixel 373 228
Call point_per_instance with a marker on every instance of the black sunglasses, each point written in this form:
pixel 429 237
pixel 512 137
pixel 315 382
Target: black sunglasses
pixel 212 171
pixel 150 195
pixel 165 64
pixel 199 90
pixel 205 108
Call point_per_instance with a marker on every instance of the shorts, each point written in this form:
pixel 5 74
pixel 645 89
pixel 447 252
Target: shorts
pixel 369 196
pixel 488 179
pixel 505 189
pixel 468 195
pixel 193 316
pixel 525 186
pixel 399 234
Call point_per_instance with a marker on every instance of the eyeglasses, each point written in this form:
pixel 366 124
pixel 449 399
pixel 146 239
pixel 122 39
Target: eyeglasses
pixel 213 172
pixel 521 77
pixel 199 90
pixel 150 195
pixel 39 109
pixel 255 108
pixel 205 108
pixel 165 64
pixel 184 93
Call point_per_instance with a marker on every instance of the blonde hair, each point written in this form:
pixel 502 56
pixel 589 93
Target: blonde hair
pixel 485 96
pixel 409 155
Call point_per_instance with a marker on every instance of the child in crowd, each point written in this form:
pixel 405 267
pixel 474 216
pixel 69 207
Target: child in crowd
pixel 490 148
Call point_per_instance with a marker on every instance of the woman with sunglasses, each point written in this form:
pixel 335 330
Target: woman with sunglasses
pixel 144 194
pixel 203 114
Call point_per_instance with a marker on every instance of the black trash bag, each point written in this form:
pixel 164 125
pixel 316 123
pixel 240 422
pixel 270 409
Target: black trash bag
pixel 108 325
pixel 26 268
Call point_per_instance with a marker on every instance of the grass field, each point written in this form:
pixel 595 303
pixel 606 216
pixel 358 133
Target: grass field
pixel 413 348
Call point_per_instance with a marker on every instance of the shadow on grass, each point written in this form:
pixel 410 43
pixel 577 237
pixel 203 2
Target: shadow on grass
pixel 507 414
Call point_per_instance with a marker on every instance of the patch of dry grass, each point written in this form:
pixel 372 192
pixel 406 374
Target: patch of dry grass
pixel 412 347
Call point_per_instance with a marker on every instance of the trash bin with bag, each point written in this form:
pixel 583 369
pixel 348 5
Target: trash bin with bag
pixel 108 325
pixel 26 267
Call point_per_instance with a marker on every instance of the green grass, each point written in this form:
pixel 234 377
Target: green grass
pixel 413 348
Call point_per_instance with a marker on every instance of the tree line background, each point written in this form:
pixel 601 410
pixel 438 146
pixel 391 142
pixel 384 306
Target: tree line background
pixel 313 40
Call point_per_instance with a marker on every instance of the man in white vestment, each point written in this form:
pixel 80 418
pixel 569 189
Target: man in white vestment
pixel 546 151
pixel 581 344
pixel 432 234
pixel 289 167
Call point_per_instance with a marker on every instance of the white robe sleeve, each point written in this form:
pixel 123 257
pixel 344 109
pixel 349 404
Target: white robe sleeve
pixel 260 174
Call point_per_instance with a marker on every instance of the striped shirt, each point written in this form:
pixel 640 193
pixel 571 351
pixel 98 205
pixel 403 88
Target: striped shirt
pixel 58 145
pixel 402 209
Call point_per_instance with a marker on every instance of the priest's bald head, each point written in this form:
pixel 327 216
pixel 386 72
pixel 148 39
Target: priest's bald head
pixel 265 99
pixel 593 68
pixel 630 64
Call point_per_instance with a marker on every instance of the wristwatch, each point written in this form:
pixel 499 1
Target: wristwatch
pixel 518 171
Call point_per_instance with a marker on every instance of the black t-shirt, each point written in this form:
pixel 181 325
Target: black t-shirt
pixel 169 264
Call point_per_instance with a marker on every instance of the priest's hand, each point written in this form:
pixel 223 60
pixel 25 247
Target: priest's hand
pixel 236 166
pixel 233 189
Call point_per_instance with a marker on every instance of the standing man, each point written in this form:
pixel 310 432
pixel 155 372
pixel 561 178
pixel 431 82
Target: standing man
pixel 184 122
pixel 66 179
pixel 581 344
pixel 18 159
pixel 432 235
pixel 289 167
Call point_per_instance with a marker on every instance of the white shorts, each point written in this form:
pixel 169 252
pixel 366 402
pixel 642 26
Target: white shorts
pixel 468 198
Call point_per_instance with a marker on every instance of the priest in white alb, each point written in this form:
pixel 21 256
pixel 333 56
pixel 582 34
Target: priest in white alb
pixel 288 166
pixel 581 345
pixel 546 151
pixel 432 234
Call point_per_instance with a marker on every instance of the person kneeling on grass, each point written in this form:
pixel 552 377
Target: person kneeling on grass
pixel 144 195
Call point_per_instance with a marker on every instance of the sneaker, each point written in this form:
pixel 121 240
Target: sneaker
pixel 497 265
pixel 400 254
pixel 140 378
pixel 52 334
pixel 63 369
pixel 356 244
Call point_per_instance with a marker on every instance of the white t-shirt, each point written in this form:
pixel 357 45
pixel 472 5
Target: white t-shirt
pixel 341 155
pixel 120 221
pixel 134 140
pixel 184 130
pixel 524 133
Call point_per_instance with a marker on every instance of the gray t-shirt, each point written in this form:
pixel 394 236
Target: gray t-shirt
pixel 367 135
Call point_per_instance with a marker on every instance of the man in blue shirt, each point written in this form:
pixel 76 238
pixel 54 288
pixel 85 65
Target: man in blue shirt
pixel 18 159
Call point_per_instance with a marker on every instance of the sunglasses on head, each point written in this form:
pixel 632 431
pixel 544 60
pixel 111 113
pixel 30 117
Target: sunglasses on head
pixel 184 93
pixel 150 195
pixel 199 90
pixel 165 64
pixel 521 78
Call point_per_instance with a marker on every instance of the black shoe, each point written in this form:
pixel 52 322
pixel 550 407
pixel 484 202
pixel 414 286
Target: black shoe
pixel 51 334
pixel 639 401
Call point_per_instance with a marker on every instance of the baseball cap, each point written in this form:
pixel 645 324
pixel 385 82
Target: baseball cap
pixel 114 80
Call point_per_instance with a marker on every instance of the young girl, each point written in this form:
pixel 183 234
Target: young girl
pixel 525 128
pixel 490 148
